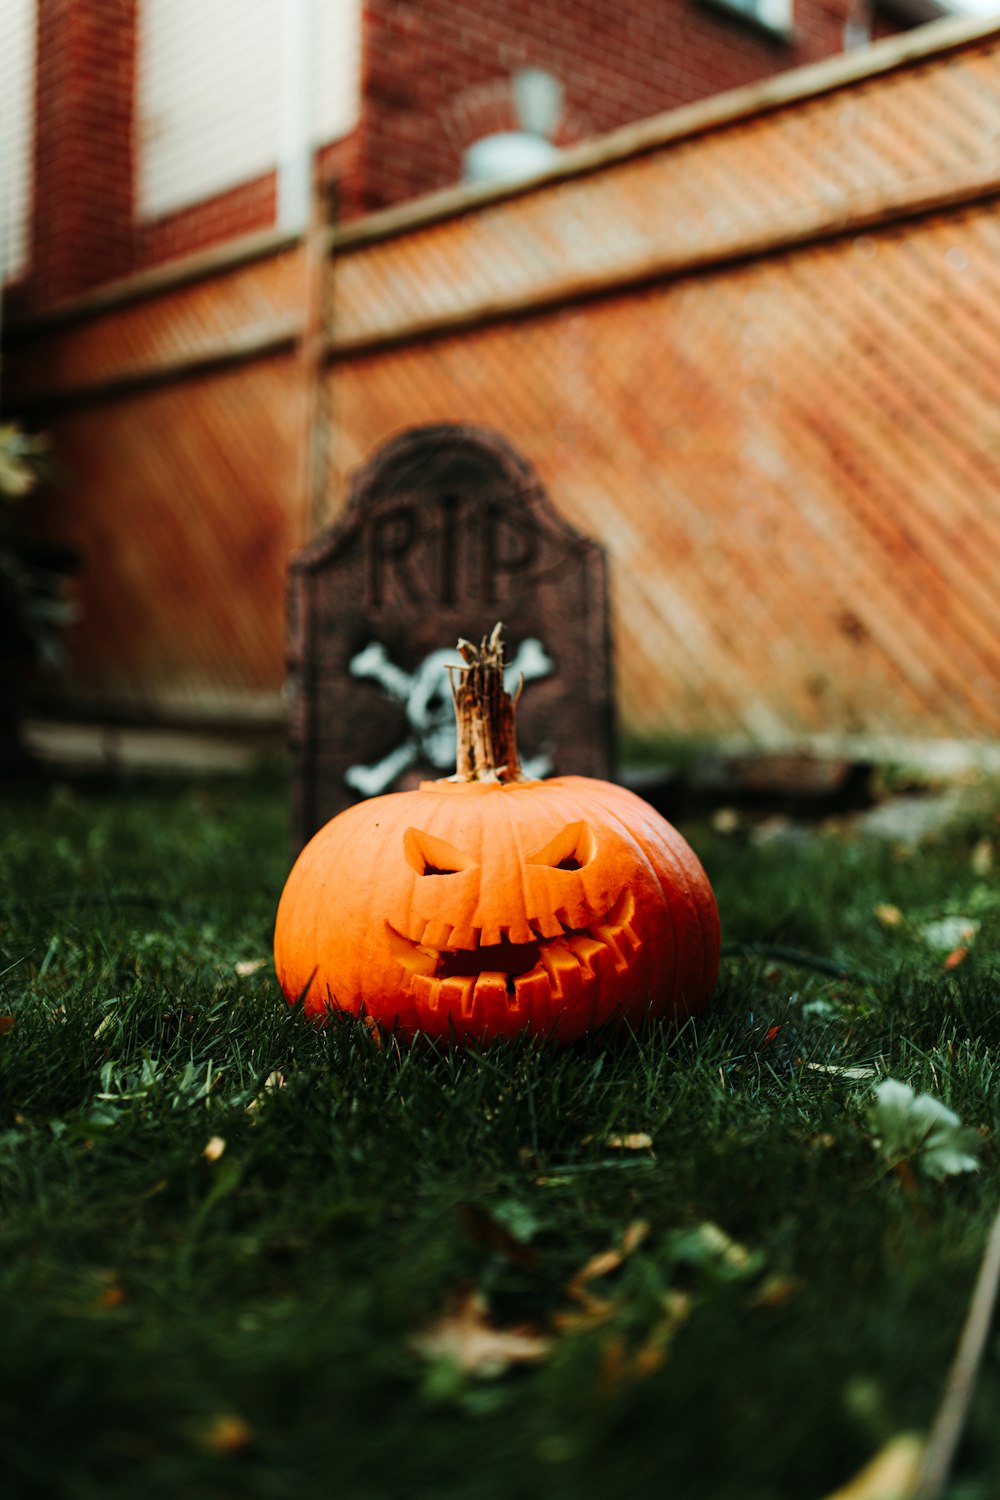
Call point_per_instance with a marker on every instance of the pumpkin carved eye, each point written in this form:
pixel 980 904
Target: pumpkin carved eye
pixel 429 855
pixel 573 847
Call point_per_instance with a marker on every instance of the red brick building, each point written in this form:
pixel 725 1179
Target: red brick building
pixel 137 131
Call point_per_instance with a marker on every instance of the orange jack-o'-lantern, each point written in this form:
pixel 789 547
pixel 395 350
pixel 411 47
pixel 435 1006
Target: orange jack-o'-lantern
pixel 487 905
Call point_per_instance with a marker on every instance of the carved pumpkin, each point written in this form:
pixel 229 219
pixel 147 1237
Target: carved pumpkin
pixel 486 905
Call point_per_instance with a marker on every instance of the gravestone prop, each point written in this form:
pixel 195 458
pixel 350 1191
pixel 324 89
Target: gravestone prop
pixel 446 530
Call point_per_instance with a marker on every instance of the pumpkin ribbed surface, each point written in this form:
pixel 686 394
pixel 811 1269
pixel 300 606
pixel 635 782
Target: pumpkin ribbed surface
pixel 481 909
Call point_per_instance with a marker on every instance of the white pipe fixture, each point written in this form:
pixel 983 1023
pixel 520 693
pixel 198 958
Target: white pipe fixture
pixel 515 155
pixel 295 116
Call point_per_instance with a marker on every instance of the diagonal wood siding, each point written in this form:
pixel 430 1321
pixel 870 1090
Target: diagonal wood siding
pixel 761 361
pixel 753 347
pixel 184 510
pixel 178 415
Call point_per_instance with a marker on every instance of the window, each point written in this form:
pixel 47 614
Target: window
pixel 774 16
pixel 17 131
pixel 216 95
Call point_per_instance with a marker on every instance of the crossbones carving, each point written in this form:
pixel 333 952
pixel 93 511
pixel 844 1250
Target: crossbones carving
pixel 426 697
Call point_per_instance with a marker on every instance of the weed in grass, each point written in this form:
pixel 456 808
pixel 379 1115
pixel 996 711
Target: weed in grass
pixel 227 1236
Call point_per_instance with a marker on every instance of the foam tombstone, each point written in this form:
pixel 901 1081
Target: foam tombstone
pixel 485 905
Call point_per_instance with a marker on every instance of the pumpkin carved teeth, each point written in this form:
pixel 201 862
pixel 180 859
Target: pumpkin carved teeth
pixel 499 911
pixel 569 958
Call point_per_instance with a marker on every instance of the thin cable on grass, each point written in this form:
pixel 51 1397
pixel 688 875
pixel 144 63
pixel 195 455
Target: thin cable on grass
pixel 945 1434
pixel 797 959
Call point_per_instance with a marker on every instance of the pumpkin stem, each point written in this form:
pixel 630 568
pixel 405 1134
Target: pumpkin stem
pixel 486 748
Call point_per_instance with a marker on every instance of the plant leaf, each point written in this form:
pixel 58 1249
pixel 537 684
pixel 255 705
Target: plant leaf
pixel 891 1474
pixel 466 1339
pixel 919 1129
pixel 946 933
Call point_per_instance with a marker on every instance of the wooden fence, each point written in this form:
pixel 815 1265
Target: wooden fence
pixel 752 346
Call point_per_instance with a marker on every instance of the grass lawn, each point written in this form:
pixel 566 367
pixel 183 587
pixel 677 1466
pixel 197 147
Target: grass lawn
pixel 240 1256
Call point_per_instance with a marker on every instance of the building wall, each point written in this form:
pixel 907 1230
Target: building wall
pixel 437 74
pixel 221 88
pixel 17 131
pixel 83 206
pixel 752 347
pixel 179 418
pixel 160 122
pixel 757 355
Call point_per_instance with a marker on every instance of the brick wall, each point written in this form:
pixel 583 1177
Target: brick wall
pixel 82 219
pixel 436 77
pixel 437 74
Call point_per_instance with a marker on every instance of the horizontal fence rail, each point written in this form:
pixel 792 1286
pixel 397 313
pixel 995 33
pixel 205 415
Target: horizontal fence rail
pixel 753 348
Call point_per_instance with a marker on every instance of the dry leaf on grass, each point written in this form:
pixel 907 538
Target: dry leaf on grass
pixel 919 1129
pixel 112 1294
pixel 248 966
pixel 273 1081
pixel 624 1365
pixel 945 934
pixel 776 1291
pixel 636 1140
pixel 836 1071
pixel 226 1432
pixel 591 1309
pixel 609 1260
pixel 467 1339
pixel 981 858
pixel 891 1474
pixel 623 1361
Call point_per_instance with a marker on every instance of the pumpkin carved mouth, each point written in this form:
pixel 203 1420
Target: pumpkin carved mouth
pixel 517 975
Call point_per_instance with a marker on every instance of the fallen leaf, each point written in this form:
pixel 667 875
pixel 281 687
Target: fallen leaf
pixel 638 1140
pixel 634 1235
pixel 600 1264
pixel 6 1025
pixel 889 916
pixel 112 1296
pixel 468 1340
pixel 836 1071
pixel 726 820
pixel 606 1261
pixel 227 1432
pixel 955 957
pixel 112 1293
pixel 248 966
pixel 589 1312
pixel 776 1291
pixel 947 933
pixel 486 1229
pixel 919 1129
pixel 891 1474
pixel 622 1364
pixel 707 1245
pixel 273 1081
pixel 214 1148
pixel 981 859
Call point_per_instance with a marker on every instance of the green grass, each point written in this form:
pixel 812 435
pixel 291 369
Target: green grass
pixel 249 1326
